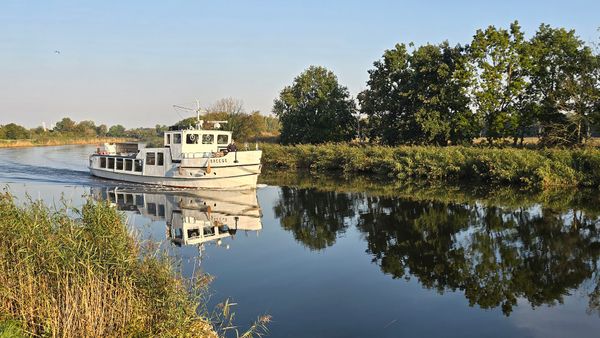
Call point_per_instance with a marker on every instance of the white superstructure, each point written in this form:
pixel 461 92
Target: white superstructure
pixel 190 158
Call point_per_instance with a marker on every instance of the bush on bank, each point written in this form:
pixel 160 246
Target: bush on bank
pixel 525 167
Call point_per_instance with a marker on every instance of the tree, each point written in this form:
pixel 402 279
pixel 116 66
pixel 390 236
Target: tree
pixel 315 109
pixel 65 125
pixel 420 97
pixel 86 128
pixel 565 83
pixel 14 131
pixel 116 131
pixel 500 84
pixel 101 130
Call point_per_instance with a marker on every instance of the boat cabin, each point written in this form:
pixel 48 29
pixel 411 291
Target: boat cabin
pixel 195 143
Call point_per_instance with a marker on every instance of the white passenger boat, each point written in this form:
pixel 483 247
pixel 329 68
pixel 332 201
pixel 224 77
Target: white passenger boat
pixel 190 158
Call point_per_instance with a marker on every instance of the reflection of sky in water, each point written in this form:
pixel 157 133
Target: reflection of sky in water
pixel 338 291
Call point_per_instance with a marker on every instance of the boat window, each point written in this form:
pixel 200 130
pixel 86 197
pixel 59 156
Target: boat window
pixel 168 138
pixel 138 165
pixel 161 210
pixel 191 139
pixel 222 139
pixel 160 158
pixel 151 208
pixel 129 165
pixel 193 233
pixel 102 162
pixel 150 158
pixel 208 139
pixel 111 163
pixel 119 164
pixel 178 233
pixel 177 138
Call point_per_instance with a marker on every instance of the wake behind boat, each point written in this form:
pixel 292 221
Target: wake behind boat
pixel 190 158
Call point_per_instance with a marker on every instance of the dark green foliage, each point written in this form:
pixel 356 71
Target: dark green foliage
pixel 565 76
pixel 315 109
pixel 500 86
pixel 65 125
pixel 116 131
pixel 523 167
pixel 420 97
pixel 13 131
pixel 499 57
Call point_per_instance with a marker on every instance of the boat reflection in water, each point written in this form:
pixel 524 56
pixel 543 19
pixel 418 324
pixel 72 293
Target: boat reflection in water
pixel 192 217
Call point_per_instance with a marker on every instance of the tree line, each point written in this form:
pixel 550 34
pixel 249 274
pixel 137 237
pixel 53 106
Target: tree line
pixel 246 126
pixel 68 128
pixel 500 85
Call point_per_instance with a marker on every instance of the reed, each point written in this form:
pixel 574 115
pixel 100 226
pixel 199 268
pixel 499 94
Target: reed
pixel 88 277
pixel 532 168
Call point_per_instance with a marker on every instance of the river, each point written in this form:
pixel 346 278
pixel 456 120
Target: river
pixel 334 260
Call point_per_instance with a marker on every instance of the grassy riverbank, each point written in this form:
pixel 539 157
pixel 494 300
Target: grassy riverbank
pixel 58 141
pixel 523 167
pixel 87 277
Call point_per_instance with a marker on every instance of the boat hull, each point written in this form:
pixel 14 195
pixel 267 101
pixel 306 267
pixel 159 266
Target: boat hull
pixel 233 178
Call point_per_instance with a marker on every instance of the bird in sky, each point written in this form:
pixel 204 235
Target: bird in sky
pixel 56 52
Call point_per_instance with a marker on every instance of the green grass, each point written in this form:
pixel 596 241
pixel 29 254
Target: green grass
pixel 523 167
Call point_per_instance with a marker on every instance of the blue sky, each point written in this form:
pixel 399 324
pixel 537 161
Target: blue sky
pixel 128 62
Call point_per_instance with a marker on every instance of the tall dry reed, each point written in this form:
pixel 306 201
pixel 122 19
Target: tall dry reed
pixel 87 277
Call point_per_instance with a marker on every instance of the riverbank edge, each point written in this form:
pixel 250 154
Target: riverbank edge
pixel 529 168
pixel 60 142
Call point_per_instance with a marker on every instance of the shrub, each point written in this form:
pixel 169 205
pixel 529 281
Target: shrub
pixel 523 167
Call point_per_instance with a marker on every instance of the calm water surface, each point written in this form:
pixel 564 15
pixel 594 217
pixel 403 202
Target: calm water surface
pixel 335 264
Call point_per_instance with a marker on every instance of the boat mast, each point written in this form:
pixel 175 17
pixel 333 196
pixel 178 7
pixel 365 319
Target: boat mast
pixel 200 122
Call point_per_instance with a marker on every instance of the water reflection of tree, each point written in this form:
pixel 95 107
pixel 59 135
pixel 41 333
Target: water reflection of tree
pixel 495 255
pixel 315 218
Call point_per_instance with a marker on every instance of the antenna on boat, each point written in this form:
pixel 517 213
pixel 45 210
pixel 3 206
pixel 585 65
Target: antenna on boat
pixel 200 122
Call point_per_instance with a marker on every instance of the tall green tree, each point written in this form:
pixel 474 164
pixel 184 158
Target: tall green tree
pixel 85 128
pixel 420 97
pixel 386 102
pixel 101 130
pixel 315 109
pixel 65 125
pixel 501 81
pixel 14 131
pixel 116 131
pixel 566 84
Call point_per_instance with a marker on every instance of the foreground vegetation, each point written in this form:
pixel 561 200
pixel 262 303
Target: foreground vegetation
pixel 86 276
pixel 531 168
